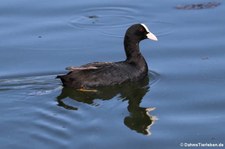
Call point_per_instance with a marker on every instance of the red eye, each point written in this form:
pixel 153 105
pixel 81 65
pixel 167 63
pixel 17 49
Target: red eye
pixel 141 30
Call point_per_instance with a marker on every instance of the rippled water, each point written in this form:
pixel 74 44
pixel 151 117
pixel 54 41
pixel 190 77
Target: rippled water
pixel 182 100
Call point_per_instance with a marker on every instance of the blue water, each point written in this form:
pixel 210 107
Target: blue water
pixel 182 102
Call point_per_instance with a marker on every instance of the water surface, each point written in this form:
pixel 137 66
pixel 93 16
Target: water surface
pixel 182 100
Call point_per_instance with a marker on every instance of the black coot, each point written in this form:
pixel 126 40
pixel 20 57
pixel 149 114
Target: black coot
pixel 100 74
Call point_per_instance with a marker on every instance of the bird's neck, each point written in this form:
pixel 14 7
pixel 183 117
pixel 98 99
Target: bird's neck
pixel 134 55
pixel 132 49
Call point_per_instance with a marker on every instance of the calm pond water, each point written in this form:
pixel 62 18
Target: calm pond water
pixel 182 101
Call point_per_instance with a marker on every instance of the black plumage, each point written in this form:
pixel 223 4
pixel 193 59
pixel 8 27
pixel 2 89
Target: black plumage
pixel 99 74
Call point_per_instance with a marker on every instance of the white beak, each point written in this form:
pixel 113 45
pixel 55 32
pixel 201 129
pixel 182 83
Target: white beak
pixel 151 36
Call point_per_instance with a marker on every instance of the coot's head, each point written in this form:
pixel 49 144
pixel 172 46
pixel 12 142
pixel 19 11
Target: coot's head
pixel 140 32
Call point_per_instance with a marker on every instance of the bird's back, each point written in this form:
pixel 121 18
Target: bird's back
pixel 105 74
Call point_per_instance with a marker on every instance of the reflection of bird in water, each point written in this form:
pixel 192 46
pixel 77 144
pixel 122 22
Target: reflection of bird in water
pixel 139 118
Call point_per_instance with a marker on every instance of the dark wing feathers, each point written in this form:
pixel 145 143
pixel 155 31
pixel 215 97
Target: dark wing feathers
pixel 104 74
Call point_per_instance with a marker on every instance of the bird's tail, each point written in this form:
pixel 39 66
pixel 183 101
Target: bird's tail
pixel 62 78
